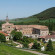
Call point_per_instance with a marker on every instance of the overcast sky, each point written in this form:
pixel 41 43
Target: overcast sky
pixel 23 8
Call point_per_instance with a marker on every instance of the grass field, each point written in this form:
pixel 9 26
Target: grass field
pixel 6 50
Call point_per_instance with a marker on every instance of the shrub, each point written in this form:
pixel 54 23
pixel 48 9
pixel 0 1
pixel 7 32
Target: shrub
pixel 26 41
pixel 25 44
pixel 36 46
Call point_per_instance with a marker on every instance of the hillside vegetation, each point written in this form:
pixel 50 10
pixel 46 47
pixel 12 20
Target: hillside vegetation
pixel 48 13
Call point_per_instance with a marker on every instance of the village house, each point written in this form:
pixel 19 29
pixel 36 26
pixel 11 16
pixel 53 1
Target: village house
pixel 50 37
pixel 33 31
pixel 6 35
pixel 47 38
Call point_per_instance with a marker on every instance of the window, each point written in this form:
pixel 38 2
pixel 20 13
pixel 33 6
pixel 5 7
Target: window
pixel 7 38
pixel 8 27
pixel 42 32
pixel 23 32
pixel 8 30
pixel 26 32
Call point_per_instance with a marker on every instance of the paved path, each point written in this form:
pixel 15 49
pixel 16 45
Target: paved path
pixel 34 52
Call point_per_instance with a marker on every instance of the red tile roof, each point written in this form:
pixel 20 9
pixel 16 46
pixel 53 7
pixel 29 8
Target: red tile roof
pixel 33 26
pixel 4 33
pixel 42 36
pixel 48 36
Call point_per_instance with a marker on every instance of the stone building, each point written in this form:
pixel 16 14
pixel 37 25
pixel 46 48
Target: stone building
pixel 7 27
pixel 33 30
pixel 27 30
pixel 6 35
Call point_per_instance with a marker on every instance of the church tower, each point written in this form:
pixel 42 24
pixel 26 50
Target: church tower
pixel 7 20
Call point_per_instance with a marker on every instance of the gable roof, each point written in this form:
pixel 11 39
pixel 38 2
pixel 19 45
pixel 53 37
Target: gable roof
pixel 48 37
pixel 33 26
pixel 4 33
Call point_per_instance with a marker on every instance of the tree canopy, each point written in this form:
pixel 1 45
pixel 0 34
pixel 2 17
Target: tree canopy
pixel 17 36
pixel 2 38
pixel 49 46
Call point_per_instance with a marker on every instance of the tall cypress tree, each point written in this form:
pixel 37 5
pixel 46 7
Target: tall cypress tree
pixel 49 46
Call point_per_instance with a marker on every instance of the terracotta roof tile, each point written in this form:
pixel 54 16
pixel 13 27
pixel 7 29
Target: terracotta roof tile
pixel 33 26
pixel 4 33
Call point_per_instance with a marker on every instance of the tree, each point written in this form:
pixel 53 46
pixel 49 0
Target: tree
pixel 13 33
pixel 49 46
pixel 17 36
pixel 25 44
pixel 36 46
pixel 2 38
pixel 26 41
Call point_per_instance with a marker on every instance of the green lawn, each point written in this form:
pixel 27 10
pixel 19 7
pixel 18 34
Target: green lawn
pixel 6 50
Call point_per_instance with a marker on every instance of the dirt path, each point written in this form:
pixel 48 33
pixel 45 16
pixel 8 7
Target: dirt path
pixel 34 52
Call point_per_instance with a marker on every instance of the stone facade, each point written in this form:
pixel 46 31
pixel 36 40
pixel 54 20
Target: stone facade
pixel 27 30
pixel 7 27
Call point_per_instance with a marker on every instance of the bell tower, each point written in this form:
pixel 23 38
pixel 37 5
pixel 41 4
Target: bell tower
pixel 7 20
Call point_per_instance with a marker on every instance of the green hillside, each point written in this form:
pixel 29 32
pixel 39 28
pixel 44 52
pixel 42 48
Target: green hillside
pixel 6 50
pixel 48 13
pixel 24 21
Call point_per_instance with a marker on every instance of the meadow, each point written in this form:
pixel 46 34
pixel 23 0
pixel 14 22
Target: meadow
pixel 6 50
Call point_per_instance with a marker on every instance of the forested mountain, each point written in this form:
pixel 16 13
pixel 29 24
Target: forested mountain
pixel 48 13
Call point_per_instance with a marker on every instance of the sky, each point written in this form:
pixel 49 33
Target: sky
pixel 23 8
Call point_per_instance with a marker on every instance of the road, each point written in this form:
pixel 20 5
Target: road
pixel 35 52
